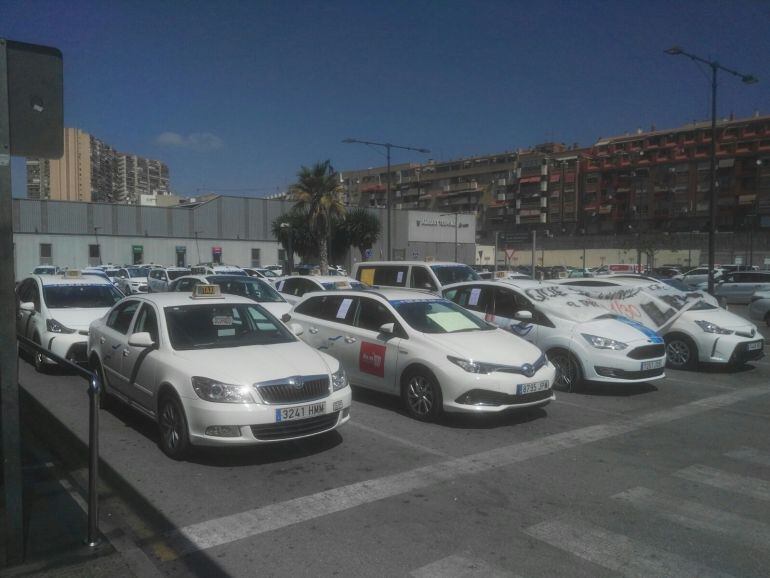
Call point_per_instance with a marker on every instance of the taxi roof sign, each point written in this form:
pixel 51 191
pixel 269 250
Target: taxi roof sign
pixel 342 285
pixel 71 273
pixel 201 291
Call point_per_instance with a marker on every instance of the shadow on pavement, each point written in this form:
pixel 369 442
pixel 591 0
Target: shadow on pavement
pixel 615 389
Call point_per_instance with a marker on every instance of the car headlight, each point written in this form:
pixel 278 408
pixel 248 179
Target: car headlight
pixel 604 342
pixel 56 327
pixel 213 390
pixel 339 380
pixel 473 366
pixel 709 327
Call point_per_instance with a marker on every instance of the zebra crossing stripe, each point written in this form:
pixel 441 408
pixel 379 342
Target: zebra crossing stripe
pixel 617 552
pixel 460 567
pixel 748 486
pixel 698 516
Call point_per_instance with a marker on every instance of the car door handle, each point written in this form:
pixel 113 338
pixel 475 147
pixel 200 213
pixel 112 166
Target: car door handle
pixel 126 352
pixel 350 339
pixel 313 330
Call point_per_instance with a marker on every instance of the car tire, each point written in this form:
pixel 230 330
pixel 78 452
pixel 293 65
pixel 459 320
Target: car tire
pixel 172 424
pixel 421 393
pixel 569 374
pixel 681 351
pixel 767 318
pixel 106 400
pixel 38 358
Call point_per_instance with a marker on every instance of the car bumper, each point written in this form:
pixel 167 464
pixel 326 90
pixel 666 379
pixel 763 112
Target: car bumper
pixel 606 365
pixel 494 392
pixel 72 346
pixel 758 312
pixel 256 423
pixel 731 349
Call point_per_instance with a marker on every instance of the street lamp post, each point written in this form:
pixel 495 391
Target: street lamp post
pixel 290 249
pixel 98 248
pixel 746 79
pixel 456 216
pixel 387 146
pixel 197 247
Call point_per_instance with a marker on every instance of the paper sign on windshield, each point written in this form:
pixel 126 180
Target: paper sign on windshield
pixel 451 321
pixel 367 276
pixel 474 297
pixel 400 277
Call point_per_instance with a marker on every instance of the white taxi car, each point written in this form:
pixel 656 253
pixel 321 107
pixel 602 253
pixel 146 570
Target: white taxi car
pixel 295 286
pixel 581 338
pixel 55 311
pixel 216 369
pixel 434 354
pixel 702 332
pixel 132 280
pixel 256 289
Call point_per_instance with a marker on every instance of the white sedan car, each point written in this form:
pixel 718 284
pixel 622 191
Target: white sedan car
pixel 581 338
pixel 295 286
pixel 216 369
pixel 700 332
pixel 55 312
pixel 256 289
pixel 434 354
pixel 759 306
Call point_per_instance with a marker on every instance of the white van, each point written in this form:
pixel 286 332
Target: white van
pixel 430 276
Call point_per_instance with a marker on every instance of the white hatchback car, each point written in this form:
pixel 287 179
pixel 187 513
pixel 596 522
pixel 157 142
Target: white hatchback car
pixel 55 312
pixel 434 354
pixel 700 332
pixel 216 369
pixel 132 280
pixel 159 278
pixel 581 338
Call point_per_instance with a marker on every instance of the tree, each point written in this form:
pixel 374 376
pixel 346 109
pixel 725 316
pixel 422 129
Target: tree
pixel 317 195
pixel 304 241
pixel 363 230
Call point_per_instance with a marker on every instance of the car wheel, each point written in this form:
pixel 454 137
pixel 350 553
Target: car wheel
pixel 106 400
pixel 569 375
pixel 38 359
pixel 422 395
pixel 767 318
pixel 174 434
pixel 681 352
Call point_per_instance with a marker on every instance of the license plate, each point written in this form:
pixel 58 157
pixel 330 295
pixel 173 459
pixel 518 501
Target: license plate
pixel 754 345
pixel 301 412
pixel 655 364
pixel 532 387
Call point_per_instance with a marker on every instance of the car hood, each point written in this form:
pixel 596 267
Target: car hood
pixel 137 280
pixel 78 317
pixel 722 318
pixel 496 346
pixel 620 329
pixel 256 363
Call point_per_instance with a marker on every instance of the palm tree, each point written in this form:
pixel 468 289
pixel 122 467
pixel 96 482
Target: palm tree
pixel 317 195
pixel 363 229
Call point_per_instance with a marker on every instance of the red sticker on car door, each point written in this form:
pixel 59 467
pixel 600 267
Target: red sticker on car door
pixel 371 359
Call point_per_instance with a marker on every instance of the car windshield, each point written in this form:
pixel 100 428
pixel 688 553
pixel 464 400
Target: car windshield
pixel 219 325
pixel 454 273
pixel 239 272
pixel 438 316
pixel 80 295
pixel 332 285
pixel 250 287
pixel 267 272
pixel 111 272
pixel 177 274
pixel 44 271
pixel 137 271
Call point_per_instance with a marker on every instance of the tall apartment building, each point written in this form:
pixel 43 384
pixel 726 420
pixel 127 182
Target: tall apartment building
pixel 92 170
pixel 655 180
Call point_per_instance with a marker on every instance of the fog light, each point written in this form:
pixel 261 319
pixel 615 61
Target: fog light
pixel 345 412
pixel 224 431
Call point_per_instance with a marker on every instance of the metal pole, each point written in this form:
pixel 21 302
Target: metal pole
pixel 387 197
pixel 94 394
pixel 534 254
pixel 495 257
pixel 584 256
pixel 712 178
pixel 457 224
pixel 13 524
pixel 98 248
pixel 290 256
pixel 197 247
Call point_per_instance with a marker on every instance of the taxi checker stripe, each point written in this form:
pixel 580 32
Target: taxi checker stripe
pixel 276 516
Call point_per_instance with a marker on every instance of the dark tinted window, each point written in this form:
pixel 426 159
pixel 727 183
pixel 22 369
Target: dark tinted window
pixel 86 296
pixel 185 284
pixel 147 321
pixel 176 274
pixel 250 287
pixel 121 316
pixel 448 274
pixel 372 314
pixel 337 308
pixel 508 303
pixel 421 279
pixel 473 298
pixel 387 275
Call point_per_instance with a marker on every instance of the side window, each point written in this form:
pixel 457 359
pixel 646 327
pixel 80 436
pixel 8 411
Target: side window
pixel 372 314
pixel 762 277
pixel 387 275
pixel 34 293
pixel 122 274
pixel 421 279
pixel 121 316
pixel 289 286
pixel 473 298
pixel 24 291
pixel 305 286
pixel 311 307
pixel 337 308
pixel 506 304
pixel 147 321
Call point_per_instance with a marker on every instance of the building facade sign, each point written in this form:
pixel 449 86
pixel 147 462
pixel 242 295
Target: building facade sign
pixel 440 228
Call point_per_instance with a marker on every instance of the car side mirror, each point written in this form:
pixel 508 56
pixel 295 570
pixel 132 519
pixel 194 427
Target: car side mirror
pixel 296 329
pixel 27 306
pixel 285 317
pixel 388 328
pixel 141 339
pixel 524 315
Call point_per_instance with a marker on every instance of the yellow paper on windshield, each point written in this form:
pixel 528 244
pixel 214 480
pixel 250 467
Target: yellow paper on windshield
pixel 367 276
pixel 451 321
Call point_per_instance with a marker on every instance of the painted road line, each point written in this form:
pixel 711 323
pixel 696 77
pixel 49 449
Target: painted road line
pixel 561 401
pixel 460 567
pixel 698 517
pixel 748 486
pixel 400 440
pixel 615 551
pixel 242 525
pixel 700 384
pixel 750 455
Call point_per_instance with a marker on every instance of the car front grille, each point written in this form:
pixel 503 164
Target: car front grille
pixel 648 351
pixel 287 390
pixel 294 429
pixel 623 374
pixel 495 398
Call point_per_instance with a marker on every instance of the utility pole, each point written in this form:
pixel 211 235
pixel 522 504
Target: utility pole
pixel 746 79
pixel 495 257
pixel 387 146
pixel 534 254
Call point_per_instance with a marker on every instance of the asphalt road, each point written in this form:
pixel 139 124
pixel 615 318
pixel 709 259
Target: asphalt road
pixel 670 478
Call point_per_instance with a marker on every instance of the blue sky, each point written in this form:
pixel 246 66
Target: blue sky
pixel 235 96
